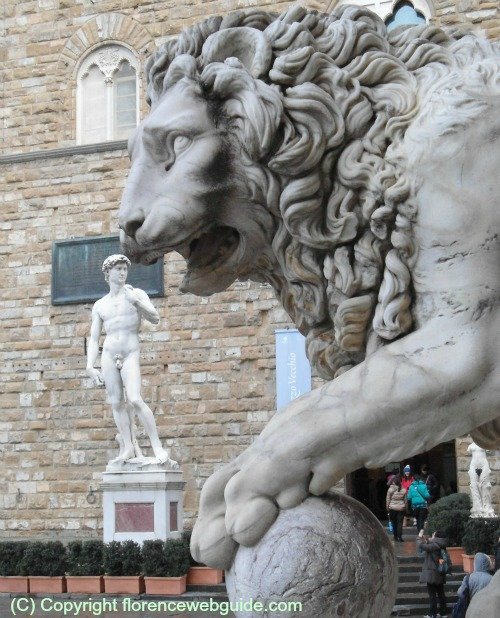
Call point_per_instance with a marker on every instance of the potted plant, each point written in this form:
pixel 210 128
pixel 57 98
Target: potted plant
pixel 11 553
pixel 85 567
pixel 200 574
pixel 481 533
pixel 122 567
pixel 165 564
pixel 450 514
pixel 45 565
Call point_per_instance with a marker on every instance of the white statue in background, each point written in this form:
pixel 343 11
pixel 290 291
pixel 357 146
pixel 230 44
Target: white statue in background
pixel 120 312
pixel 480 484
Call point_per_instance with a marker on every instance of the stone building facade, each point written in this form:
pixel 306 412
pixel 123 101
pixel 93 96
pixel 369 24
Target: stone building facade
pixel 208 367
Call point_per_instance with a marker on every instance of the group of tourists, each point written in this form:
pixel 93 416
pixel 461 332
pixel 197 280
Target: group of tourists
pixel 410 495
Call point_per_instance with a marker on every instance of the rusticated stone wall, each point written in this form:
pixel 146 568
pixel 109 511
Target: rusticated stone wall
pixel 482 16
pixel 208 367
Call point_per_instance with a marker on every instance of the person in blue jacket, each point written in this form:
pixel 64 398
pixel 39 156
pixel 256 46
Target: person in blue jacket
pixel 480 577
pixel 418 497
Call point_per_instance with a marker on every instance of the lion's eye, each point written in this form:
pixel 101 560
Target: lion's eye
pixel 181 142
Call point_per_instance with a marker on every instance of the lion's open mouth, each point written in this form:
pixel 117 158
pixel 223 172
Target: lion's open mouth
pixel 212 249
pixel 212 258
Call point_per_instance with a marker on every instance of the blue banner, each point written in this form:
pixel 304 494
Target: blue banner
pixel 293 372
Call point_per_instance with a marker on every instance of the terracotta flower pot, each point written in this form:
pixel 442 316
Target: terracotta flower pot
pixel 468 563
pixel 455 554
pixel 169 586
pixel 204 576
pixel 91 584
pixel 124 584
pixel 14 583
pixel 42 583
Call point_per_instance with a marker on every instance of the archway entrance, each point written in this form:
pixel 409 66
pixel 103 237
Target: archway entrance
pixel 370 486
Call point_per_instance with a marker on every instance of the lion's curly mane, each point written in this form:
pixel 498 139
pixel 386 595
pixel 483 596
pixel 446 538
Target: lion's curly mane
pixel 321 115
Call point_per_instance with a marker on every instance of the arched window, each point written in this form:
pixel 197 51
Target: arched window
pixel 107 95
pixel 404 14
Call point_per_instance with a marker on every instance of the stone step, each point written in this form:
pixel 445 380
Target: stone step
pixel 419 609
pixel 413 577
pixel 417 587
pixel 411 598
pixel 409 568
pixel 417 567
pixel 413 558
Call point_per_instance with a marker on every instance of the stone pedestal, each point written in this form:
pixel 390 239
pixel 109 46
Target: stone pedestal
pixel 141 504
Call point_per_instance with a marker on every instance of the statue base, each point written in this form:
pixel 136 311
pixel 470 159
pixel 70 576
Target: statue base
pixel 142 502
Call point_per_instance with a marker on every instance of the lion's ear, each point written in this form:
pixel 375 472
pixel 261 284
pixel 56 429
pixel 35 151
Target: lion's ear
pixel 251 47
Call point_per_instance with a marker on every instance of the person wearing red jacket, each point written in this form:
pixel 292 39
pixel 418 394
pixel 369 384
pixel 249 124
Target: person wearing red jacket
pixel 408 478
pixel 406 481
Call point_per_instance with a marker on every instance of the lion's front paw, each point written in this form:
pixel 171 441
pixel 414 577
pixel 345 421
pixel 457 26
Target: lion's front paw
pixel 240 502
pixel 303 450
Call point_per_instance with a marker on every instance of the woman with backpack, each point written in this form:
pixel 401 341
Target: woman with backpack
pixel 436 566
pixel 418 497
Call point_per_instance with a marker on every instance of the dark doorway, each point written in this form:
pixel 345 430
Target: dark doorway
pixel 370 486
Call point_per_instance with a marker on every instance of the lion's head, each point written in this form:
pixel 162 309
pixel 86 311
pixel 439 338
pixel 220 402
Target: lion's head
pixel 271 153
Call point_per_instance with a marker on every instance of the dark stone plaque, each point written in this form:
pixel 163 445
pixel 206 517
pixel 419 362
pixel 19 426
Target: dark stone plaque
pixel 77 275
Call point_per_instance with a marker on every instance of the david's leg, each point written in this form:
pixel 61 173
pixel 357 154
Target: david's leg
pixel 131 377
pixel 133 432
pixel 120 414
pixel 115 396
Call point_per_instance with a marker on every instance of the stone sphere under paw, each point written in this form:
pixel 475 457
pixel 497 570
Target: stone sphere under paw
pixel 330 553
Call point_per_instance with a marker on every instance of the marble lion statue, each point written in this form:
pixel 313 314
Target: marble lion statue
pixel 356 172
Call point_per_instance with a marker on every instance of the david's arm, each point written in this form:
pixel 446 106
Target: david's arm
pixel 141 300
pixel 93 347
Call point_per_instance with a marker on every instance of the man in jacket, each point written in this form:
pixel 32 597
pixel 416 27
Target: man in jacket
pixel 430 575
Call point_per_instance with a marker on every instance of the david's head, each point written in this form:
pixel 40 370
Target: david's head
pixel 115 268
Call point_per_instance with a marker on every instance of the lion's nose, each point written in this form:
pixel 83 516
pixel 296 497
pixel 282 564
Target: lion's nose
pixel 130 226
